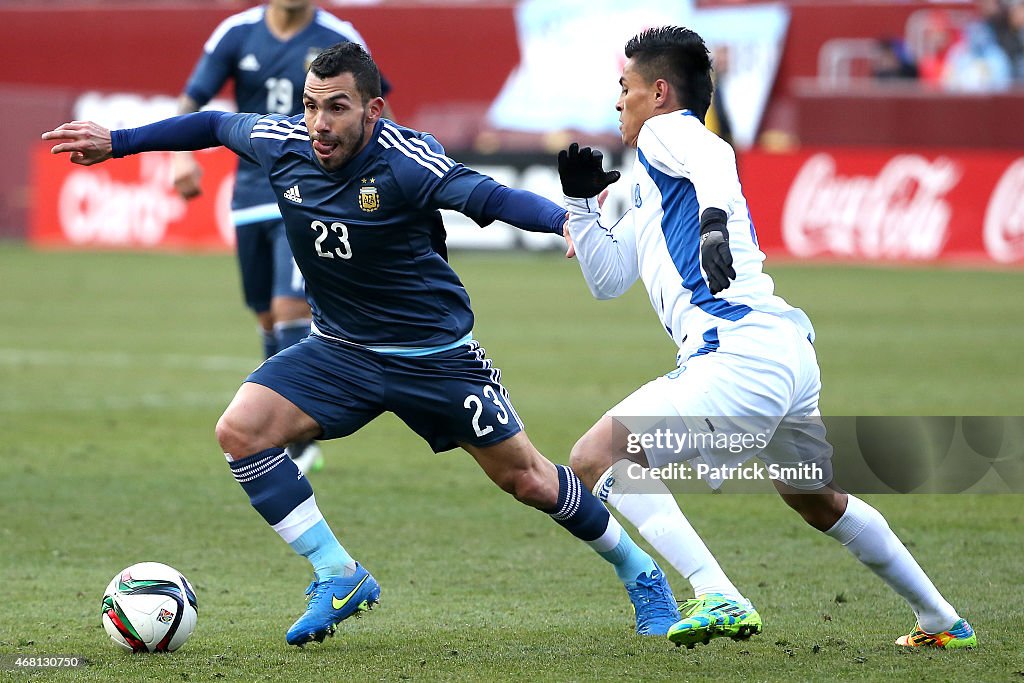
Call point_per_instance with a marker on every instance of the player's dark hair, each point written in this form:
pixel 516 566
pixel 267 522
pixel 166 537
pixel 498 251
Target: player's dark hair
pixel 679 56
pixel 349 58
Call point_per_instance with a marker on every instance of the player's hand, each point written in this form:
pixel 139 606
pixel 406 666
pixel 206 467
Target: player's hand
pixel 87 142
pixel 715 256
pixel 581 173
pixel 187 175
pixel 570 248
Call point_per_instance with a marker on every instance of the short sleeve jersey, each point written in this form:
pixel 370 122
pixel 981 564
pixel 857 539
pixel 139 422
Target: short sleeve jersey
pixel 268 76
pixel 368 237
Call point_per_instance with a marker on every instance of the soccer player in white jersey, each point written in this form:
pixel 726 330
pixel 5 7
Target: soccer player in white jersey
pixel 746 361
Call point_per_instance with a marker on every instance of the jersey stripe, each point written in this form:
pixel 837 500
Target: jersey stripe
pixel 249 16
pixel 256 214
pixel 282 126
pixel 278 136
pixel 410 351
pixel 681 226
pixel 387 145
pixel 424 152
pixel 279 129
pixel 342 28
pixel 429 153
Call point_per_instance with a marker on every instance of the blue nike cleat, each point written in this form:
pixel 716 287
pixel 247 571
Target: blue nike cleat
pixel 331 601
pixel 653 602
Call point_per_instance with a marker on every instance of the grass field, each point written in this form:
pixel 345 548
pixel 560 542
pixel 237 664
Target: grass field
pixel 115 367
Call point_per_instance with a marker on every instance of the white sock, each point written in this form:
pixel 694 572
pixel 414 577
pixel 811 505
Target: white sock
pixel 865 533
pixel 652 509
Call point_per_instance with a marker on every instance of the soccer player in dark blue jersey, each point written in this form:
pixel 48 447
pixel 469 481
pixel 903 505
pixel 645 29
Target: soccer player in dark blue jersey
pixel 265 52
pixel 392 324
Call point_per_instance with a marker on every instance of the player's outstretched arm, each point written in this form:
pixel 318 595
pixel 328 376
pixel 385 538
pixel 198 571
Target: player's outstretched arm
pixel 88 143
pixel 607 258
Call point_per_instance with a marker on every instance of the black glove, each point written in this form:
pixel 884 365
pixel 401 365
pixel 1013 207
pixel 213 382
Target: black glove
pixel 581 173
pixel 715 256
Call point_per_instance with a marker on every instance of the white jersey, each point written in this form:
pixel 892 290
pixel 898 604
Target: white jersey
pixel 681 169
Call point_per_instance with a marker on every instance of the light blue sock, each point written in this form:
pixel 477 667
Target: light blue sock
pixel 586 517
pixel 319 545
pixel 285 500
pixel 629 560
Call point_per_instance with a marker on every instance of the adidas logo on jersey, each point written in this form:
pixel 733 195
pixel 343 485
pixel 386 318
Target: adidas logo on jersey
pixel 249 63
pixel 292 193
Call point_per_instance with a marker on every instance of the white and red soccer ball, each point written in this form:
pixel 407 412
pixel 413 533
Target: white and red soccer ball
pixel 149 607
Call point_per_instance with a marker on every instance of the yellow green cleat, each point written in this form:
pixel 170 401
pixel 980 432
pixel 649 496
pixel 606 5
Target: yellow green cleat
pixel 961 635
pixel 712 616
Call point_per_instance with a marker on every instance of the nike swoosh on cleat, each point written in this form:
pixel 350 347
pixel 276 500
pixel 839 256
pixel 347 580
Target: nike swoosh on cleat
pixel 338 604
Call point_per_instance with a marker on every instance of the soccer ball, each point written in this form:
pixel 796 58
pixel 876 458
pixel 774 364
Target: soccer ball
pixel 149 607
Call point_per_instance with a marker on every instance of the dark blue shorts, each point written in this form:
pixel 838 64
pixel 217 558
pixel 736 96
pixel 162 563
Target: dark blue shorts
pixel 266 263
pixel 448 398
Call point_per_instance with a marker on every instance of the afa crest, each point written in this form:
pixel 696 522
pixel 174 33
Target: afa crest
pixel 369 200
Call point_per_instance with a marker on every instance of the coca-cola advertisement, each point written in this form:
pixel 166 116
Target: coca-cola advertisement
pixel 888 205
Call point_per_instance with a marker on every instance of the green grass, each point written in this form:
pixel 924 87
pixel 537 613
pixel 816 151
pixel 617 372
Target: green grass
pixel 115 367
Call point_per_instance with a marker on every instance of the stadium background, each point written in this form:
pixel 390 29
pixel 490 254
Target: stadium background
pixel 892 212
pixel 876 154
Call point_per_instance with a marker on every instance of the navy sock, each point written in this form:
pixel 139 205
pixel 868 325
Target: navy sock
pixel 291 332
pixel 275 486
pixel 583 515
pixel 269 338
pixel 283 496
pixel 586 518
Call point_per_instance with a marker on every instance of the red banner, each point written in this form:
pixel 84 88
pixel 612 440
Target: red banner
pixel 886 205
pixel 130 203
pixel 852 204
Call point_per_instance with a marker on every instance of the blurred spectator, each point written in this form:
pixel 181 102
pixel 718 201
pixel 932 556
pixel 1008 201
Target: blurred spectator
pixel 976 63
pixel 893 60
pixel 718 119
pixel 1006 21
pixel 939 36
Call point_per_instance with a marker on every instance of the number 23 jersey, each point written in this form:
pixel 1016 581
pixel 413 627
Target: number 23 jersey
pixel 368 237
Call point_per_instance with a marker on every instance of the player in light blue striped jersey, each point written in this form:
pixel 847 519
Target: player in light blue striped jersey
pixel 392 330
pixel 265 52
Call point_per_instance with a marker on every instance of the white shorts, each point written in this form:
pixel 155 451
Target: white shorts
pixel 751 390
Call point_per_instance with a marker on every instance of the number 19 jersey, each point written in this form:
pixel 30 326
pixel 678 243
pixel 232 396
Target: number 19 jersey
pixel 268 75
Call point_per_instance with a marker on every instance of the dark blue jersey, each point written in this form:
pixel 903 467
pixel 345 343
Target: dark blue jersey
pixel 268 76
pixel 366 237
